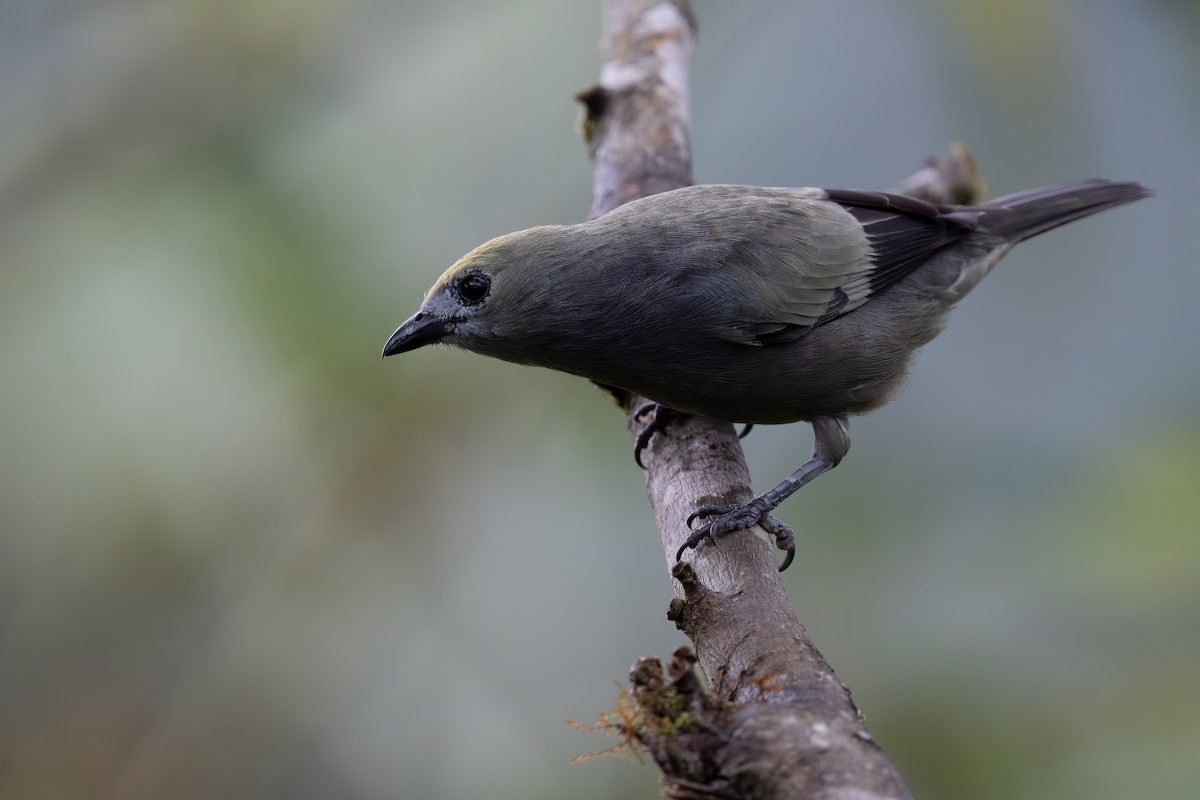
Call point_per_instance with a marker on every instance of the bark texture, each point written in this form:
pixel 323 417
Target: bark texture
pixel 776 721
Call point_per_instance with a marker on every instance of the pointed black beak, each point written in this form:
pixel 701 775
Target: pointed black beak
pixel 418 330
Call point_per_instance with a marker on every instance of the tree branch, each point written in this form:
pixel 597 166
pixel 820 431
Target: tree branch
pixel 778 722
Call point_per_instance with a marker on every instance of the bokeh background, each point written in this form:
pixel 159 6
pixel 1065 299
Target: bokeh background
pixel 240 557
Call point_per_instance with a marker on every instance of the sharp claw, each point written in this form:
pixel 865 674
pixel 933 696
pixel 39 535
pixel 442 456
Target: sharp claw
pixel 784 538
pixel 690 544
pixel 695 539
pixel 643 441
pixel 646 433
pixel 787 560
pixel 746 429
pixel 657 424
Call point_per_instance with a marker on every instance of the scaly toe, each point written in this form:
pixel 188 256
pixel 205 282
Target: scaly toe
pixel 710 511
pixel 785 539
pixel 729 518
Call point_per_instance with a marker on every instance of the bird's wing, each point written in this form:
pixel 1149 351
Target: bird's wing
pixel 830 255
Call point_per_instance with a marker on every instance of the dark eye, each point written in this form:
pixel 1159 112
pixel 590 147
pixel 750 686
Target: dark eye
pixel 473 288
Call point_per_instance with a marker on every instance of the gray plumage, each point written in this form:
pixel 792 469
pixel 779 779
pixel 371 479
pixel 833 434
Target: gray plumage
pixel 741 303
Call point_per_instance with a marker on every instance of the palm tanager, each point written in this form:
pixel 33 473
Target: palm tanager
pixel 741 303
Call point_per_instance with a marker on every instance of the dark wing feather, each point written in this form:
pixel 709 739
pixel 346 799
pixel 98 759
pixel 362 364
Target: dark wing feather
pixel 904 232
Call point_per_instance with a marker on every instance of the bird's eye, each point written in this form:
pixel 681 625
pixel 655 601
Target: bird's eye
pixel 473 288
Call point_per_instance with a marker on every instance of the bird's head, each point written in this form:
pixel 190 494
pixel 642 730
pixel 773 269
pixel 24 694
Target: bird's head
pixel 488 296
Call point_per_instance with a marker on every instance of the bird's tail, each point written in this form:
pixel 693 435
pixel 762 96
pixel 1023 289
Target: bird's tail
pixel 1026 214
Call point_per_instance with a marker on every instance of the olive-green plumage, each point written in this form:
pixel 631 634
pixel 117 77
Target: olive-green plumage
pixel 741 303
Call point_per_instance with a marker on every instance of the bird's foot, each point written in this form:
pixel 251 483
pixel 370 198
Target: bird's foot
pixel 657 424
pixel 730 518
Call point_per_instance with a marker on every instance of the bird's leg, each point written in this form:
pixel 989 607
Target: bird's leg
pixel 832 441
pixel 657 424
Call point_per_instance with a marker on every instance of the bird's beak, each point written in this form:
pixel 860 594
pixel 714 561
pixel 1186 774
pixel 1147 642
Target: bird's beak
pixel 420 329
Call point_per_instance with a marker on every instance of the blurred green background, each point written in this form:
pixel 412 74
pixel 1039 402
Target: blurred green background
pixel 240 557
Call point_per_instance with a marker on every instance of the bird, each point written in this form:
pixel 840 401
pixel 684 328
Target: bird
pixel 743 304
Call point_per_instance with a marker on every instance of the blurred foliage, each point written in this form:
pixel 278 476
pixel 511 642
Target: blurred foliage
pixel 240 557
